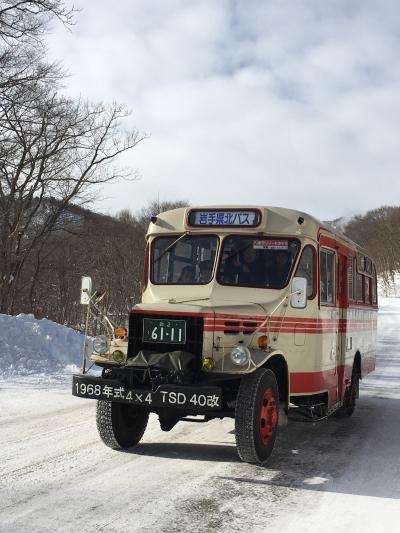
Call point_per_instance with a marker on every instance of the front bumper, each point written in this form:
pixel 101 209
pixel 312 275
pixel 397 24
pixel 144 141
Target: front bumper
pixel 194 399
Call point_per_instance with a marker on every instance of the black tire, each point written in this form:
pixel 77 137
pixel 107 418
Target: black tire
pixel 256 416
pixel 350 396
pixel 120 425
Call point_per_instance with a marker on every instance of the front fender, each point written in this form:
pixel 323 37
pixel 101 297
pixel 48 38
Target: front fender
pixel 259 358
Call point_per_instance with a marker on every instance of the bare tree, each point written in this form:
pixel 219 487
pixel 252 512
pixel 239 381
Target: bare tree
pixel 53 151
pixel 22 65
pixel 379 232
pixel 22 20
pixel 158 206
pixel 22 26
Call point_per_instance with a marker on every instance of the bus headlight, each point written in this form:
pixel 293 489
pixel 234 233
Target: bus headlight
pixel 240 355
pixel 100 344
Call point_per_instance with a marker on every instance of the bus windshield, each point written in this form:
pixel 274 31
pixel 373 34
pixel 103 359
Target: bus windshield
pixel 188 261
pixel 263 262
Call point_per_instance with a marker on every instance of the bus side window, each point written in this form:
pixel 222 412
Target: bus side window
pixel 367 291
pixel 373 286
pixel 360 292
pixel 305 269
pixel 350 277
pixel 327 277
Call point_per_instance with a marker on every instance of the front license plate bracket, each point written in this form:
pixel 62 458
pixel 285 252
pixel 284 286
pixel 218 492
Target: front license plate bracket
pixel 164 331
pixel 196 399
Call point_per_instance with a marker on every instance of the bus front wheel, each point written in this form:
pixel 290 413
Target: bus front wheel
pixel 120 425
pixel 256 416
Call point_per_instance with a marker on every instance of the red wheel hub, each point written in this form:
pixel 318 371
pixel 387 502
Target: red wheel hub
pixel 268 416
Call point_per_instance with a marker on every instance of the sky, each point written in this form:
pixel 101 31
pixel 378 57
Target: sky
pixel 285 103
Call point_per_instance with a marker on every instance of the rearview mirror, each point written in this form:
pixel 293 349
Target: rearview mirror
pixel 298 299
pixel 86 290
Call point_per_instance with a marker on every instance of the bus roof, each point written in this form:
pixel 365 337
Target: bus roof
pixel 272 220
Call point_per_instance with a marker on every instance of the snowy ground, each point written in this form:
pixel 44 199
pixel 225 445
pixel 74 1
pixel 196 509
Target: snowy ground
pixel 336 476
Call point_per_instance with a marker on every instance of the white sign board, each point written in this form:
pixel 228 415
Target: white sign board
pixel 225 218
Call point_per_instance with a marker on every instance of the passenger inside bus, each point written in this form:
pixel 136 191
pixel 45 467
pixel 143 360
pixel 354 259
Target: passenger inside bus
pixel 277 269
pixel 250 270
pixel 205 271
pixel 254 262
pixel 244 268
pixel 187 275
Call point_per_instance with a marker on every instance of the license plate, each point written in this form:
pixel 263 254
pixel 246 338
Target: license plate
pixel 206 398
pixel 164 330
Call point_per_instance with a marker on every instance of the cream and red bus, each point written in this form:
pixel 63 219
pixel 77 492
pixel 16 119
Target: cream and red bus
pixel 246 312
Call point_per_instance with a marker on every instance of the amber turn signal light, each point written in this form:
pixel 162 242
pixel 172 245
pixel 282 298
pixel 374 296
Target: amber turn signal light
pixel 208 363
pixel 120 332
pixel 262 342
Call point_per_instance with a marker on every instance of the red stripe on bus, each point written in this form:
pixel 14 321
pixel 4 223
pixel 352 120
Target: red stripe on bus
pixel 311 382
pixel 304 382
pixel 169 313
pixel 274 324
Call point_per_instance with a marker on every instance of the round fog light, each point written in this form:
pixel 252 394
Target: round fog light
pixel 240 355
pixel 100 344
pixel 118 356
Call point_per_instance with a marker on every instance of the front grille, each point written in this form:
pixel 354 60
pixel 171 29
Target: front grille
pixel 194 335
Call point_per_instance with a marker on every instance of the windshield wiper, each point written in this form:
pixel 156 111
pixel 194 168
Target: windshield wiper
pixel 168 248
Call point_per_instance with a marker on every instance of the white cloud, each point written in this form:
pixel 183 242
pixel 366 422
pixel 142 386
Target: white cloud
pixel 280 102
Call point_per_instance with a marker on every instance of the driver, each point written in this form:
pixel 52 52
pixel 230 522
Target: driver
pixel 205 271
pixel 249 267
pixel 187 275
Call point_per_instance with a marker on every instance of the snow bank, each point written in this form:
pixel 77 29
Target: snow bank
pixel 31 346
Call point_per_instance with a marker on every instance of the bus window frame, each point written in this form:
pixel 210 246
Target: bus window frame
pixel 358 300
pixel 364 275
pixel 369 278
pixel 352 257
pixel 257 235
pixel 315 270
pixel 334 252
pixel 166 235
pixel 374 285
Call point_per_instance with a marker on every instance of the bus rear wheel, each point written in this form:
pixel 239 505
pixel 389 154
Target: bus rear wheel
pixel 120 425
pixel 350 395
pixel 256 417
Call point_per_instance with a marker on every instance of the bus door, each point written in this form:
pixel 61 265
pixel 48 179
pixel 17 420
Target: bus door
pixel 331 277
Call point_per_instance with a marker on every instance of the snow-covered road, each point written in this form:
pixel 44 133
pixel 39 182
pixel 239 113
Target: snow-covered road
pixel 338 475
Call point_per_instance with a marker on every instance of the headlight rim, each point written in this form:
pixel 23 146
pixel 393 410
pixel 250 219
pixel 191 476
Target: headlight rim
pixel 245 350
pixel 106 344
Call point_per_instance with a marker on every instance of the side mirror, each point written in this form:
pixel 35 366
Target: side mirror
pixel 298 299
pixel 86 290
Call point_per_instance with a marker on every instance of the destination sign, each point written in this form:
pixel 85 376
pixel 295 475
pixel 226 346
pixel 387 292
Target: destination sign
pixel 270 244
pixel 228 218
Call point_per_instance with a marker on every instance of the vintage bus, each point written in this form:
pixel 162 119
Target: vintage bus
pixel 246 312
